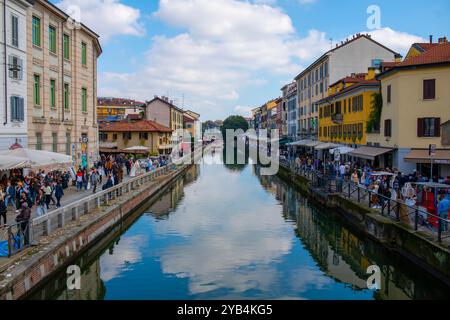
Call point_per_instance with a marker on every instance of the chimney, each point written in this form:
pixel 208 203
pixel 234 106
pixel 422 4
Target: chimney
pixel 431 38
pixel 443 40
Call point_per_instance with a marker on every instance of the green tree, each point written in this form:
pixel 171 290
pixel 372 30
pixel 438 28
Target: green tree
pixel 234 123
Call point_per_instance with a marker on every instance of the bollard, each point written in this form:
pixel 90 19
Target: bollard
pixel 61 219
pixel 416 219
pixel 440 230
pixel 48 224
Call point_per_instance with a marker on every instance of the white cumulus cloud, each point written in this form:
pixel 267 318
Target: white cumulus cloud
pixel 107 18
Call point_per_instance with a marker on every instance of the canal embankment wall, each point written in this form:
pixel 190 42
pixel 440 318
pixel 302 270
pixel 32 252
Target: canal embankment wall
pixel 416 246
pixel 37 264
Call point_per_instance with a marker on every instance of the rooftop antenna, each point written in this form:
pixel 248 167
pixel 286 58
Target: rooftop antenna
pixel 182 103
pixel 331 43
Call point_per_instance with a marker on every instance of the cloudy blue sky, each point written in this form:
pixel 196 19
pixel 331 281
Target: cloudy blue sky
pixel 228 56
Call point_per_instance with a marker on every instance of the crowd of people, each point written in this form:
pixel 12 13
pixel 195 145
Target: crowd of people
pixel 413 188
pixel 39 189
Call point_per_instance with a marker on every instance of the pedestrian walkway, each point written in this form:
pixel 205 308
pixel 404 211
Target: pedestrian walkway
pixel 70 195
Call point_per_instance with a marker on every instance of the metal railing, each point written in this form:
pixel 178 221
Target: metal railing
pixel 15 238
pixel 397 210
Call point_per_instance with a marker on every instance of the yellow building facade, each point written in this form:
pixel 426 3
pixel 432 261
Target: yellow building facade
pixel 344 114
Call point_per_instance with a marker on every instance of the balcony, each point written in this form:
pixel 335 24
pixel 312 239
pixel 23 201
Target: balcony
pixel 337 118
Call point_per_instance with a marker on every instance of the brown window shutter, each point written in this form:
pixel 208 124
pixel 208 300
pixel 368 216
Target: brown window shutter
pixel 437 126
pixel 429 89
pixel 420 127
pixel 432 89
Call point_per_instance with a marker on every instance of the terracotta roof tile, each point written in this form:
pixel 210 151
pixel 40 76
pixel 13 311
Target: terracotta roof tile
pixel 426 46
pixel 438 54
pixel 139 126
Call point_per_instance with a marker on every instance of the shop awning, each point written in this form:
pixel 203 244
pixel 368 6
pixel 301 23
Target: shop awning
pixel 324 146
pixel 313 144
pixel 342 150
pixel 422 156
pixel 369 153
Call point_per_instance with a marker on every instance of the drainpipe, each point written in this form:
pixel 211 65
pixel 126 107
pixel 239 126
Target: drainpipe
pixel 62 74
pixel 6 63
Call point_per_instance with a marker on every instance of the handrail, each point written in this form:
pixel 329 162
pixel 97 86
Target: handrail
pixel 314 175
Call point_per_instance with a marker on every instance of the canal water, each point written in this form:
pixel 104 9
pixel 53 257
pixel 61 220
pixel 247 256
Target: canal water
pixel 226 232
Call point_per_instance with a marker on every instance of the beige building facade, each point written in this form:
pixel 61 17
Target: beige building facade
pixel 416 99
pixel 62 84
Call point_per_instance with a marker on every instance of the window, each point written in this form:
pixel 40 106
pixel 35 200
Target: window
pixel 15 68
pixel 38 141
pixel 429 89
pixel 54 142
pixel 66 96
pixel 429 127
pixel 52 39
pixel 15 31
pixel 143 135
pixel 114 136
pixel 37 90
pixel 66 42
pixel 326 69
pixel 36 32
pixel 126 135
pixel 388 128
pixel 52 93
pixel 103 136
pixel 17 109
pixel 83 53
pixel 83 99
pixel 389 94
pixel 68 143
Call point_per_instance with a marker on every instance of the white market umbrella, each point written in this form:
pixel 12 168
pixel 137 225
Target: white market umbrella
pixel 37 158
pixel 9 163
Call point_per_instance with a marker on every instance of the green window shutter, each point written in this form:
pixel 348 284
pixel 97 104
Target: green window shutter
pixel 52 94
pixel 66 47
pixel 83 53
pixel 52 39
pixel 36 31
pixel 84 99
pixel 37 91
pixel 66 96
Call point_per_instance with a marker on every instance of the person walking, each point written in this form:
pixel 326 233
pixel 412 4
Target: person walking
pixel 94 180
pixel 10 196
pixel 59 192
pixel 48 195
pixel 40 203
pixel 24 219
pixel 79 180
pixel 3 211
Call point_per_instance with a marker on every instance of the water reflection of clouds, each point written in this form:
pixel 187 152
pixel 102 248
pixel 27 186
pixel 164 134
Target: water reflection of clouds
pixel 127 252
pixel 230 243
